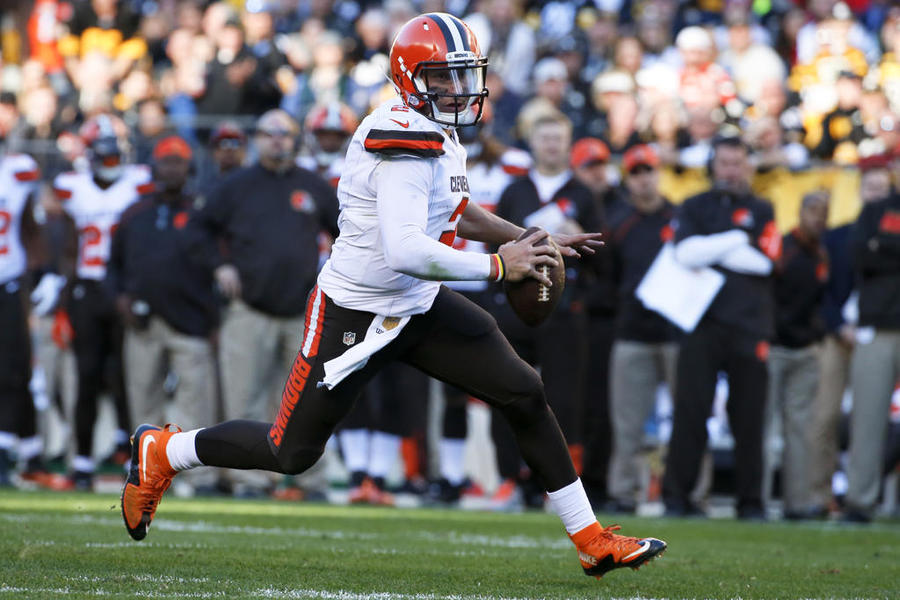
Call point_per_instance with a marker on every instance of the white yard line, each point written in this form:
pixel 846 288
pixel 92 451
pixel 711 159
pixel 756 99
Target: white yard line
pixel 262 593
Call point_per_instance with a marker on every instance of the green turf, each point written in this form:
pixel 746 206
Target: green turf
pixel 74 546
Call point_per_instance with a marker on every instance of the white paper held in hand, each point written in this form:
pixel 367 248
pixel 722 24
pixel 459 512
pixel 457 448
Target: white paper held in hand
pixel 680 294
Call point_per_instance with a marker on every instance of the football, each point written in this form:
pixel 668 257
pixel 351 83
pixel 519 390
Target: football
pixel 529 299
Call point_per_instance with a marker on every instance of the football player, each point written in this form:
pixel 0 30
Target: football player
pixel 95 200
pixel 19 238
pixel 404 197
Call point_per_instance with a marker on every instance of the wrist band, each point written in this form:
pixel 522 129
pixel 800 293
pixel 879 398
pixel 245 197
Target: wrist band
pixel 500 268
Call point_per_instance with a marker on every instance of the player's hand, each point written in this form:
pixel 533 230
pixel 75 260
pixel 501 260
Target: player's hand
pixel 46 293
pixel 522 258
pixel 574 245
pixel 847 335
pixel 229 281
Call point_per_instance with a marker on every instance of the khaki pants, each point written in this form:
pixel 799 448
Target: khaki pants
pixel 875 370
pixel 636 370
pixel 149 355
pixel 793 380
pixel 833 379
pixel 256 352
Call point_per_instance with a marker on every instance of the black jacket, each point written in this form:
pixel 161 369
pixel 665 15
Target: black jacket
pixel 840 276
pixel 520 199
pixel 268 226
pixel 634 239
pixel 876 256
pixel 147 262
pixel 745 302
pixel 800 279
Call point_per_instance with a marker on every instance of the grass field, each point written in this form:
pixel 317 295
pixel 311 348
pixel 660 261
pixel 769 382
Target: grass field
pixel 74 546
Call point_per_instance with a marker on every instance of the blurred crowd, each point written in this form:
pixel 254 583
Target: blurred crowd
pixel 601 93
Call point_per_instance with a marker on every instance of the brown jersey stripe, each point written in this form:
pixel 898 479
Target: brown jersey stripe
pixel 425 144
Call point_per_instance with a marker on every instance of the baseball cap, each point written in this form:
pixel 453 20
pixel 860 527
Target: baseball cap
pixel 172 146
pixel 641 154
pixel 587 151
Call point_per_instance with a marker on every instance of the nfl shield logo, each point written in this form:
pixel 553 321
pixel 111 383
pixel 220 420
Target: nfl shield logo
pixel 349 338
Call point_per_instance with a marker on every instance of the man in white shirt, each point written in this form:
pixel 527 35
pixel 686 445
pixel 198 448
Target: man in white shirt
pixel 404 197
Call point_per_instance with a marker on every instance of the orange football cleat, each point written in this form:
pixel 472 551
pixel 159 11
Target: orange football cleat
pixel 600 550
pixel 148 479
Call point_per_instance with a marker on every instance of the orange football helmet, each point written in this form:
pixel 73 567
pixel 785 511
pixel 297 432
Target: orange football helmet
pixel 438 69
pixel 334 116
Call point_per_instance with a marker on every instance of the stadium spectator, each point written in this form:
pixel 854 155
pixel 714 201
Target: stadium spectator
pixel 732 230
pixel 645 350
pixel 748 62
pixel 259 25
pixel 268 216
pixel 96 200
pixel 703 82
pixel 166 303
pixel 832 25
pixel 509 43
pixel 842 128
pixel 427 321
pixel 875 368
pixel 552 86
pixel 229 74
pixel 794 358
pixel 105 27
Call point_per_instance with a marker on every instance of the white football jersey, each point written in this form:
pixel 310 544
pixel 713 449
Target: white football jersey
pixel 487 182
pixel 357 276
pixel 18 177
pixel 96 212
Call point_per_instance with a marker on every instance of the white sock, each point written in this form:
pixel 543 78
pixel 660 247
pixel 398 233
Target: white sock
pixel 452 454
pixel 121 436
pixel 84 464
pixel 355 448
pixel 30 447
pixel 572 506
pixel 8 440
pixel 182 452
pixel 384 453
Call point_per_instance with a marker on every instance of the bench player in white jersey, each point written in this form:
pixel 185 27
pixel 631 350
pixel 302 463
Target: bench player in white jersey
pixel 404 198
pixel 491 166
pixel 19 240
pixel 95 200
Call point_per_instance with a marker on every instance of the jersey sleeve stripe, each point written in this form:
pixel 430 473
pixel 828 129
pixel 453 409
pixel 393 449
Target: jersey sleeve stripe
pixel 62 194
pixel 145 188
pixel 30 175
pixel 419 143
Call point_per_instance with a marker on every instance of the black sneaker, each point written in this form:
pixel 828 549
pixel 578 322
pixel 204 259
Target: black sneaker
pixel 82 481
pixel 443 492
